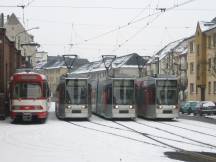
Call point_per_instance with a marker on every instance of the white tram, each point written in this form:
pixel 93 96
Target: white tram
pixel 157 97
pixel 73 98
pixel 114 98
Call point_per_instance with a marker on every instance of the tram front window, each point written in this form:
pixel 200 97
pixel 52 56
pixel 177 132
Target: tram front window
pixel 167 92
pixel 123 92
pixel 27 90
pixel 76 92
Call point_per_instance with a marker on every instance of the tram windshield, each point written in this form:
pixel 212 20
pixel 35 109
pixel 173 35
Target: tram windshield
pixel 76 92
pixel 123 92
pixel 27 90
pixel 167 92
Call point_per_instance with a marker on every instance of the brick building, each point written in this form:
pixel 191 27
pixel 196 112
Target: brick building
pixel 10 59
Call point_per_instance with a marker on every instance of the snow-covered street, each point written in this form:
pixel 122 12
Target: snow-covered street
pixel 102 140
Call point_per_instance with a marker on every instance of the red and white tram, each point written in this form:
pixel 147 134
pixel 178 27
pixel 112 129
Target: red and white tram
pixel 29 96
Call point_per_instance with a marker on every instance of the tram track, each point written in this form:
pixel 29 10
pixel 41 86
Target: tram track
pixel 189 123
pixel 129 130
pixel 161 144
pixel 188 129
pixel 196 155
pixel 169 139
pixel 169 132
pixel 114 134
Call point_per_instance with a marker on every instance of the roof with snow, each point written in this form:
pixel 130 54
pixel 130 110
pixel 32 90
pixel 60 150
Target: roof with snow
pixel 179 46
pixel 168 48
pixel 206 26
pixel 13 20
pixel 58 61
pixel 129 60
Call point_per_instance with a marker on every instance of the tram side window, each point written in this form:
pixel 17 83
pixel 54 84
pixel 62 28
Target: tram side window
pixel 89 92
pixel 162 97
pixel 172 96
pixel 62 93
pixel 27 90
pixel 107 95
pixel 46 90
pixel 151 90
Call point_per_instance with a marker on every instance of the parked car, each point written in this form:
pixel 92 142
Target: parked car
pixel 205 107
pixel 188 107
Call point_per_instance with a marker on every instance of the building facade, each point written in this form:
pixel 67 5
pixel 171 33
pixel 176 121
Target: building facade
pixel 16 32
pixel 55 68
pixel 201 62
pixel 10 59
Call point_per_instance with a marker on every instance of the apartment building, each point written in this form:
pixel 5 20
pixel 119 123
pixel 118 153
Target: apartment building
pixel 201 62
pixel 24 41
pixel 10 59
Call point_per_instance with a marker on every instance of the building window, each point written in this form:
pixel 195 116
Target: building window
pixel 191 88
pixel 191 68
pixel 209 87
pixel 191 47
pixel 214 87
pixel 214 40
pixel 209 41
pixel 209 64
pixel 198 71
pixel 198 50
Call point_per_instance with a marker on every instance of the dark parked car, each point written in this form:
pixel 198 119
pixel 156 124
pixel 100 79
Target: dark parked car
pixel 205 107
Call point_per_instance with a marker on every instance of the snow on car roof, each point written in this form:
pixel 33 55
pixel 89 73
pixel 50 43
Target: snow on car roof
pixel 208 103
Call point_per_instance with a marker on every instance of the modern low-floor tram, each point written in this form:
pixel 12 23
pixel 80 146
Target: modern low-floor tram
pixel 157 97
pixel 113 98
pixel 73 98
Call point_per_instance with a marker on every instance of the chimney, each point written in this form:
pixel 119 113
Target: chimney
pixel 1 20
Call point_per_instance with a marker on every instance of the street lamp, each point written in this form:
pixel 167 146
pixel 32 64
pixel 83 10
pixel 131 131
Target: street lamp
pixel 15 37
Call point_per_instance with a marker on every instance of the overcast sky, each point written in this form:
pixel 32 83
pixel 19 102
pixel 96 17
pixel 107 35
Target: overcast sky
pixel 91 28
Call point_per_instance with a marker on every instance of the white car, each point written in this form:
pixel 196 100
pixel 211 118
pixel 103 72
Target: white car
pixel 205 107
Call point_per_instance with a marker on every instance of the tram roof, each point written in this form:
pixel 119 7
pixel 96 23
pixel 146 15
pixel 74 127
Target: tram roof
pixel 43 77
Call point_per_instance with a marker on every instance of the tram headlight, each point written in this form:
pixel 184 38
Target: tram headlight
pixel 83 106
pixel 160 106
pixel 116 106
pixel 131 107
pixel 174 106
pixel 69 107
